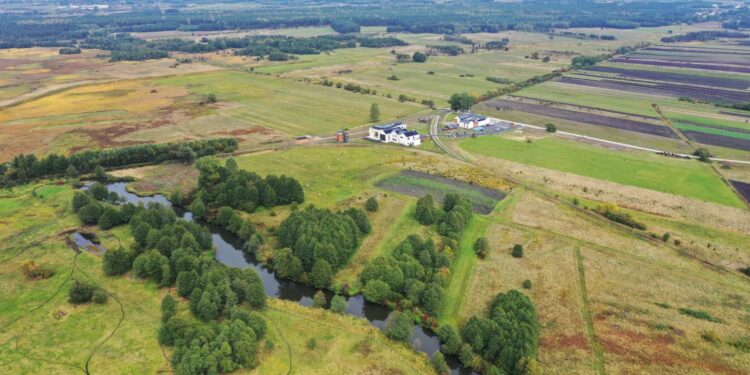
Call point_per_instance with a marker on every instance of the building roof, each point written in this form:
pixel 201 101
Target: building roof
pixel 411 133
pixel 468 116
pixel 391 126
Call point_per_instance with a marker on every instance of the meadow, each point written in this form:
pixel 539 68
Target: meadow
pixel 688 178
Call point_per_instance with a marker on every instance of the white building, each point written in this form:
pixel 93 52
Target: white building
pixel 395 132
pixel 470 120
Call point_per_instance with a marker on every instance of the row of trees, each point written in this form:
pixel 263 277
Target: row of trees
pixel 315 243
pixel 25 168
pixel 227 185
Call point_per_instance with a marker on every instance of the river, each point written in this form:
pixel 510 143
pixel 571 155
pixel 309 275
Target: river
pixel 228 251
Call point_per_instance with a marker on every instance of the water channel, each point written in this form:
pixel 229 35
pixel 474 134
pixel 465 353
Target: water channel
pixel 228 251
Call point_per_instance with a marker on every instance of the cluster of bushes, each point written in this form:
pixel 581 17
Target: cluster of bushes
pixel 69 51
pixel 448 50
pixel 33 271
pixel 499 80
pixel 315 243
pixel 461 101
pixel 501 44
pixel 414 275
pixel 508 338
pixel 612 212
pixel 345 26
pixel 227 185
pixel 381 42
pixel 587 36
pixel 457 38
pixel 702 36
pixel 25 168
pixel 84 292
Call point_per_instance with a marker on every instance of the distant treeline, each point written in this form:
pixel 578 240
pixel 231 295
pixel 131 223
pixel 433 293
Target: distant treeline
pixel 27 29
pixel 702 36
pixel 25 168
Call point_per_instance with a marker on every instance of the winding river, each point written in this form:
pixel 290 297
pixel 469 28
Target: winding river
pixel 228 251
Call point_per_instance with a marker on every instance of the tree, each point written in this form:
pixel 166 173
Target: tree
pixel 371 205
pixel 466 355
pixel 99 174
pixel 117 261
pixel 321 274
pixel 550 127
pixel 438 363
pixel 419 57
pixel 90 213
pixel 338 304
pixel 168 308
pixel 480 247
pixel 376 291
pixel 425 211
pixel 198 208
pixel 517 251
pixel 374 112
pixel 399 326
pixel 461 102
pixel 450 339
pixel 109 218
pixel 703 154
pixel 319 300
pixel 81 292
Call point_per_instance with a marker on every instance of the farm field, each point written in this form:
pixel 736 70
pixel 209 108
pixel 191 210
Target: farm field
pixel 581 306
pixel 688 178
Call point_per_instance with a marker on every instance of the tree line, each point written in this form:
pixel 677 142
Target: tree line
pixel 26 168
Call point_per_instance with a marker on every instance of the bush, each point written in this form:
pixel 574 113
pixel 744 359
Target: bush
pixel 438 363
pixel 703 154
pixel 612 212
pixel 551 127
pixel 81 292
pixel 319 300
pixel 100 296
pixel 371 205
pixel 117 261
pixel 376 291
pixel 36 272
pixel 425 211
pixel 399 326
pixel 526 284
pixel 338 304
pixel 312 344
pixel 517 251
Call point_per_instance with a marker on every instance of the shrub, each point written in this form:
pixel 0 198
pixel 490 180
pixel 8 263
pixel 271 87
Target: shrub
pixel 117 261
pixel 100 296
pixel 371 205
pixel 81 292
pixel 399 326
pixel 698 314
pixel 665 237
pixel 338 304
pixel 312 344
pixel 612 212
pixel 438 363
pixel 517 251
pixel 425 211
pixel 526 284
pixel 376 291
pixel 710 336
pixel 319 300
pixel 703 154
pixel 550 127
pixel 34 271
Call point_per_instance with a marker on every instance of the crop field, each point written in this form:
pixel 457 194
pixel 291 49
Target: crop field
pixel 589 118
pixel 688 178
pixel 737 82
pixel 418 184
pixel 743 188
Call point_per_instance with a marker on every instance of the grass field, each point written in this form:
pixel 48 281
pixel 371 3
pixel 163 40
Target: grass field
pixel 688 178
pixel 287 106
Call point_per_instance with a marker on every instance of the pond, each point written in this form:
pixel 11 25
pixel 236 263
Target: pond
pixel 228 251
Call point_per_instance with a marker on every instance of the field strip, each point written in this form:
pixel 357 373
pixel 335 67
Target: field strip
pixel 462 270
pixel 586 314
pixel 575 135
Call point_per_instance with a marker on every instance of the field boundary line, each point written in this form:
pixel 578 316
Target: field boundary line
pixel 586 313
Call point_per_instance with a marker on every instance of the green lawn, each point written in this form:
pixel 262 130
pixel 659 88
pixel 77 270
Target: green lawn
pixel 681 177
pixel 291 107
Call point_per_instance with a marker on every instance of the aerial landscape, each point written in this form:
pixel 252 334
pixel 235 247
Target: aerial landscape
pixel 484 187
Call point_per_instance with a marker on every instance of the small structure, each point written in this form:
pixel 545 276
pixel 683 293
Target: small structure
pixel 450 127
pixel 395 132
pixel 342 136
pixel 302 139
pixel 470 120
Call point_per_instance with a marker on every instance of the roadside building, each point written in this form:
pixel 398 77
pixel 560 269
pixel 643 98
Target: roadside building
pixel 470 120
pixel 395 132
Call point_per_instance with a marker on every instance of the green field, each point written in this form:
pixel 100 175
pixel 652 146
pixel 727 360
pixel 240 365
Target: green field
pixel 687 178
pixel 287 106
